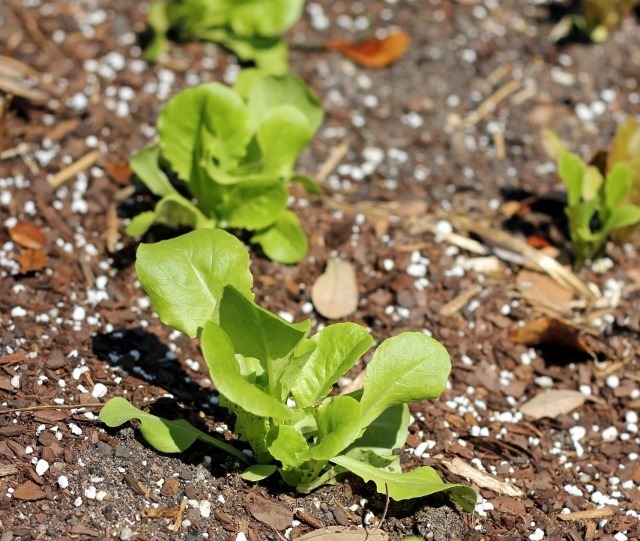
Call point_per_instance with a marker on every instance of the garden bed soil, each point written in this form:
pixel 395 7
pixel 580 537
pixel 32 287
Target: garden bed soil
pixel 419 144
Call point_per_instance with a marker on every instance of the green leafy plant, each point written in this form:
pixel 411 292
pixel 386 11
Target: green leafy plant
pixel 595 205
pixel 234 149
pixel 598 17
pixel 277 380
pixel 249 28
pixel 595 19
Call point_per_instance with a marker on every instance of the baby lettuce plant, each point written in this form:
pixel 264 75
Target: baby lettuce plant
pixel 595 205
pixel 233 150
pixel 250 28
pixel 278 380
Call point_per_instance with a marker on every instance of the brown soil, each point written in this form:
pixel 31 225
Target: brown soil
pixel 417 149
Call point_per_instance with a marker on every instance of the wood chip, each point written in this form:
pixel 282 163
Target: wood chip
pixel 305 517
pixel 331 162
pixel 460 301
pixel 603 512
pixel 111 235
pixel 178 523
pixel 73 169
pixel 489 105
pixel 502 242
pixel 335 293
pixel 344 533
pixel 28 491
pixel 459 467
pixel 136 485
pixel 8 469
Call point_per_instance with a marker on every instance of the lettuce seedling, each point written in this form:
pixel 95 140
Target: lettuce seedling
pixel 593 19
pixel 278 380
pixel 234 149
pixel 597 18
pixel 595 204
pixel 249 28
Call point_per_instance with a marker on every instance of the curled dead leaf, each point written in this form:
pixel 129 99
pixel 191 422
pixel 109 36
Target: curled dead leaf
pixel 32 260
pixel 335 293
pixel 548 331
pixel 27 235
pixel 118 171
pixel 373 53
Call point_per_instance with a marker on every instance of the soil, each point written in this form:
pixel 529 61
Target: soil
pixel 421 146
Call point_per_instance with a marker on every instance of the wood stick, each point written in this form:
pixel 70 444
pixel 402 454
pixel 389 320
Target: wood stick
pixel 73 169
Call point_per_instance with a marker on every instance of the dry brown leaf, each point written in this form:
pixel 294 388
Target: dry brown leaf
pixel 273 514
pixel 118 171
pixel 344 533
pixel 540 288
pixel 335 292
pixel 27 235
pixel 459 467
pixel 32 260
pixel 553 402
pixel 548 331
pixel 373 53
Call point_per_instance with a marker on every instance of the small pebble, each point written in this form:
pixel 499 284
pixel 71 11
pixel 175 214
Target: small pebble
pixel 41 467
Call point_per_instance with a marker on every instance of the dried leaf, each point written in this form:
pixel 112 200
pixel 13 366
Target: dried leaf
pixel 32 260
pixel 270 513
pixel 459 467
pixel 27 235
pixel 335 292
pixel 373 53
pixel 539 288
pixel 547 331
pixel 344 533
pixel 118 171
pixel 552 403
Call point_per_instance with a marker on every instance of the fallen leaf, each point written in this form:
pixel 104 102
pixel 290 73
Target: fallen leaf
pixel 537 241
pixel 373 53
pixel 540 288
pixel 548 331
pixel 118 171
pixel 459 467
pixel 344 533
pixel 27 235
pixel 32 260
pixel 270 513
pixel 335 292
pixel 28 491
pixel 552 403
